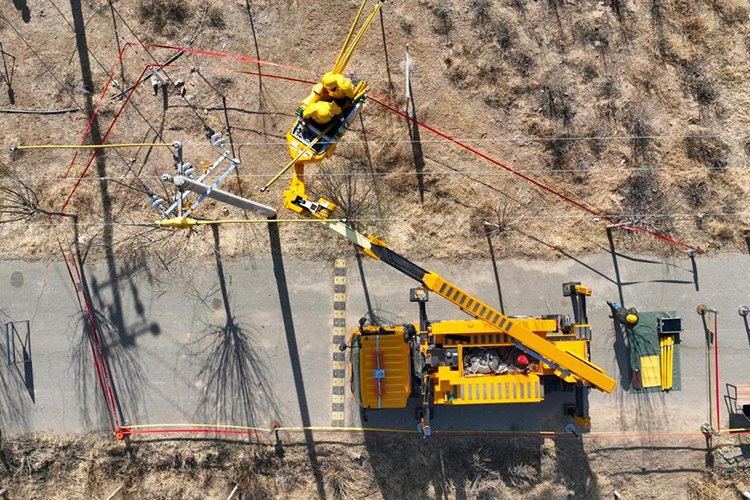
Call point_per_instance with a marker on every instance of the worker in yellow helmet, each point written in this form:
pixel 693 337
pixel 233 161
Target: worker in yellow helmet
pixel 337 86
pixel 333 87
pixel 627 317
pixel 321 112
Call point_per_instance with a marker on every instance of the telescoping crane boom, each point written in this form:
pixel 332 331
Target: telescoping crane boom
pixel 429 358
pixel 437 360
pixel 569 367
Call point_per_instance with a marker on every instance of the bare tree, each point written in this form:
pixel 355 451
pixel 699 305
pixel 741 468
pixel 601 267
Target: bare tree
pixel 18 201
pixel 349 186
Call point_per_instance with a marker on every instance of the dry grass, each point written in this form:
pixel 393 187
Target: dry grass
pixel 56 467
pixel 166 17
pixel 480 70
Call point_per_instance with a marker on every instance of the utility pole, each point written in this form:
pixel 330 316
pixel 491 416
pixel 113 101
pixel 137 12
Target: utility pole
pixel 408 80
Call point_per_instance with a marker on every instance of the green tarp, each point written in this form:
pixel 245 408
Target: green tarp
pixel 643 340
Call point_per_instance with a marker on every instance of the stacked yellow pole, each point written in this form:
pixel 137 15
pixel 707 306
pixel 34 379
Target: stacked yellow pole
pixel 349 45
pixel 667 361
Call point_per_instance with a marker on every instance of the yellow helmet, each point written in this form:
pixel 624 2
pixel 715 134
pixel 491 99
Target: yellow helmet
pixel 324 112
pixel 330 80
pixel 631 318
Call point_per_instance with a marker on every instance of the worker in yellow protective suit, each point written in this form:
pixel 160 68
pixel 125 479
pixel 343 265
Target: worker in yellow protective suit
pixel 333 87
pixel 337 86
pixel 321 112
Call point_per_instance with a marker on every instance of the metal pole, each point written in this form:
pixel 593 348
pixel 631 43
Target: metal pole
pixel 183 182
pixel 10 349
pixel 408 77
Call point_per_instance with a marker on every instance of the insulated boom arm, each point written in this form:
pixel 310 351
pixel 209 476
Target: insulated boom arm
pixel 566 365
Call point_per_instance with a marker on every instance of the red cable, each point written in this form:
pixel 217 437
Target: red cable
pixel 436 434
pixel 529 179
pixel 578 204
pixel 107 379
pixel 102 361
pixel 104 138
pixel 96 110
pixel 392 109
pixel 224 55
pixel 716 375
pixel 93 352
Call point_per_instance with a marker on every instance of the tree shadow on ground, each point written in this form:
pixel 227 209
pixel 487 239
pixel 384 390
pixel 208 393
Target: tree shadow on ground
pixel 122 363
pixel 233 372
pixel 14 400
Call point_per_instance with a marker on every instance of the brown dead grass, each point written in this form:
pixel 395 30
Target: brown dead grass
pixel 482 70
pixel 55 467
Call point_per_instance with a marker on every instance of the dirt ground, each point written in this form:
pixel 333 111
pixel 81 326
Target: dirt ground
pixel 637 109
pixel 42 466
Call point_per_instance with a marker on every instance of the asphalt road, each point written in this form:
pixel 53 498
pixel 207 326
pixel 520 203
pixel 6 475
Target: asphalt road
pixel 248 342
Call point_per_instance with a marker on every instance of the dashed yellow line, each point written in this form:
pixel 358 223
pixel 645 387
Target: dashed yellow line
pixel 338 398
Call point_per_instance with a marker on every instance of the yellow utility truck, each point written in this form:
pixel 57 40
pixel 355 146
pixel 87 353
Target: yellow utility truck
pixel 471 362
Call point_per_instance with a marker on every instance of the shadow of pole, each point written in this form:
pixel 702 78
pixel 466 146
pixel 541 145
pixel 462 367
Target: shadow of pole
pixel 614 262
pixel 622 357
pixel 28 373
pixel 101 167
pixel 416 143
pixel 497 274
pixel 709 339
pixel 695 270
pixel 564 253
pixel 291 339
pixel 574 468
pixel 385 51
pixel 373 319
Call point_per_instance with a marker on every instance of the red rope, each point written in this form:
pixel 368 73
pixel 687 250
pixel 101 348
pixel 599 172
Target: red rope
pixel 227 56
pixel 716 365
pixel 437 434
pixel 93 351
pixel 104 138
pixel 568 199
pixel 579 204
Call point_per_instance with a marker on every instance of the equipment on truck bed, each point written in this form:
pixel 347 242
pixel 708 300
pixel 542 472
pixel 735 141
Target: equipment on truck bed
pixel 468 362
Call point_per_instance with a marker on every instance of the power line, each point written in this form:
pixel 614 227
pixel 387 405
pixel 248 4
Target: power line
pixel 195 111
pixel 410 173
pixel 483 139
pixel 665 215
